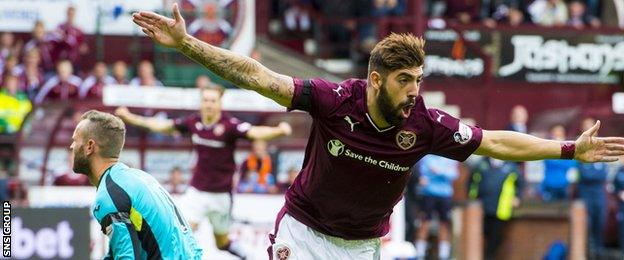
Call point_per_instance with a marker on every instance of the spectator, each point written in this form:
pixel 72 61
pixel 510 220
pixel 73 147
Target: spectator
pixel 436 189
pixel 498 185
pixel 145 75
pixel 339 33
pixel 11 67
pixel 291 174
pixel 176 184
pixel 208 26
pixel 14 105
pixel 613 13
pixel 7 47
pixel 120 73
pixel 63 86
pixel 515 17
pixel 579 18
pixel 41 41
pixel 549 12
pixel 518 119
pixel 202 81
pixel 297 16
pixel 69 178
pixel 593 7
pixel 72 37
pixel 257 170
pixel 32 74
pixel 591 189
pixel 383 8
pixel 618 191
pixel 93 85
pixel 555 184
pixel 464 11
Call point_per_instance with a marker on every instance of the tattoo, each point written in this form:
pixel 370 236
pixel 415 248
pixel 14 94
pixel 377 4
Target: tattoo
pixel 244 72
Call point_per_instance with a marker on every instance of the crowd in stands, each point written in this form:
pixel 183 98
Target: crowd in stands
pixel 297 15
pixel 45 69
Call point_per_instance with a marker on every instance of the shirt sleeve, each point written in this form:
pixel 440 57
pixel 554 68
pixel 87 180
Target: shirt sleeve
pixel 182 124
pixel 238 129
pixel 323 96
pixel 451 138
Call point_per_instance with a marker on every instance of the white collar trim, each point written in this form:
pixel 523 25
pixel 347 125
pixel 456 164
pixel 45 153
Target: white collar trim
pixel 375 126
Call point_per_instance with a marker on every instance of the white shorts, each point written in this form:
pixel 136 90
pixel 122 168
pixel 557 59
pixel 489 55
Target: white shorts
pixel 196 205
pixel 294 240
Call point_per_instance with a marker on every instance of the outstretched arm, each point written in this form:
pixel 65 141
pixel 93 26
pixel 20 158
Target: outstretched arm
pixel 158 125
pixel 268 132
pixel 238 69
pixel 513 146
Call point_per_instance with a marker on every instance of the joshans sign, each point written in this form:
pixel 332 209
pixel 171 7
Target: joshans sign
pixel 536 58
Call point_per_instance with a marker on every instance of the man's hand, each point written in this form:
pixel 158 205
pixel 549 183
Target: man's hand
pixel 166 31
pixel 590 148
pixel 286 128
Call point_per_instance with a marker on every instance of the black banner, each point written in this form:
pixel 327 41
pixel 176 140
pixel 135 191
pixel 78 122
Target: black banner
pixel 447 55
pixel 50 233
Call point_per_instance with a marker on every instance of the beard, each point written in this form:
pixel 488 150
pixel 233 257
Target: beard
pixel 391 114
pixel 81 163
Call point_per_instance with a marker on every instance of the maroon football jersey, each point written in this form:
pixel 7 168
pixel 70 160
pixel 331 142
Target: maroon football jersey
pixel 354 172
pixel 215 146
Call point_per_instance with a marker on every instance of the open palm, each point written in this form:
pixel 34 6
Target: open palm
pixel 590 148
pixel 163 30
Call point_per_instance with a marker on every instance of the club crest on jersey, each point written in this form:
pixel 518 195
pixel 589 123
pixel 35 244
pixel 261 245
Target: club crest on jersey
pixel 405 139
pixel 282 252
pixel 463 134
pixel 218 129
pixel 335 147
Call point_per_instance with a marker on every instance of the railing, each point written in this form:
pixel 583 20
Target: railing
pixel 51 125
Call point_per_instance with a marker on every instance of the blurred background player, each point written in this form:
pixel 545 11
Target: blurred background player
pixel 214 136
pixel 591 189
pixel 498 185
pixel 357 123
pixel 133 210
pixel 436 190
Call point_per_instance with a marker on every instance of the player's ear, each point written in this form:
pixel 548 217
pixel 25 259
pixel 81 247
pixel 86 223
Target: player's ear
pixel 375 80
pixel 90 147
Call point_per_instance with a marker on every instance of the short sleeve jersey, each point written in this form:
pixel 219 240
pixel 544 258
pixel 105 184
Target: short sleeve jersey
pixel 354 172
pixel 215 146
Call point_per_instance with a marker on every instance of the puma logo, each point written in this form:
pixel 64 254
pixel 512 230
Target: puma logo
pixel 440 116
pixel 338 90
pixel 351 123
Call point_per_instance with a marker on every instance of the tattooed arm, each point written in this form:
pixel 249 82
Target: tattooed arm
pixel 240 70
